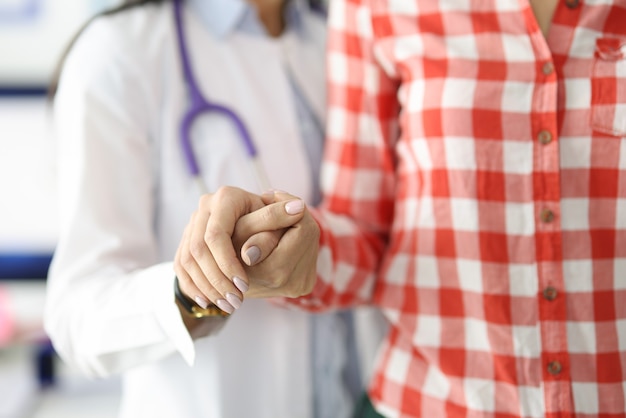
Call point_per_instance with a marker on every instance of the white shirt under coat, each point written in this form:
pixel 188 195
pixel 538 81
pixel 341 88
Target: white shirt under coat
pixel 126 196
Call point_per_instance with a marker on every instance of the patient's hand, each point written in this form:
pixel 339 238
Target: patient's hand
pixel 287 257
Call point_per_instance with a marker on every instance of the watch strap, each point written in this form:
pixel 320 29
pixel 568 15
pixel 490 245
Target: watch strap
pixel 193 308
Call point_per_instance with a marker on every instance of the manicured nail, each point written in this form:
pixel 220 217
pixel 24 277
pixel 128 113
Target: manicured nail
pixel 234 300
pixel 240 284
pixel 253 254
pixel 294 207
pixel 225 306
pixel 202 302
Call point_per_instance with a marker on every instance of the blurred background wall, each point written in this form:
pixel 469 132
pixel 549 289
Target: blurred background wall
pixel 33 35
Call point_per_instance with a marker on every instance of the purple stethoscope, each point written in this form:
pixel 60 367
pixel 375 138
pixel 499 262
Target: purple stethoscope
pixel 200 105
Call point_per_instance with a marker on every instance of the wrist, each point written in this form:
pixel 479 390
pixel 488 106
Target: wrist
pixel 192 309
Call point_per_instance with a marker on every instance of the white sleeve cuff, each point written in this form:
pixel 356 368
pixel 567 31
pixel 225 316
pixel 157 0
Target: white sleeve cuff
pixel 167 313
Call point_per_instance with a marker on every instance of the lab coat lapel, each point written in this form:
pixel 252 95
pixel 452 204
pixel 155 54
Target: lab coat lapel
pixel 304 66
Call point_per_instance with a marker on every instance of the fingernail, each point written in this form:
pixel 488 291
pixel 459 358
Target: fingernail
pixel 225 306
pixel 234 300
pixel 294 206
pixel 253 254
pixel 202 302
pixel 240 284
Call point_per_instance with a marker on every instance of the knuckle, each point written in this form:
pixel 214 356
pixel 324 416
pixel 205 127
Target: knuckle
pixel 292 293
pixel 185 260
pixel 268 216
pixel 224 192
pixel 204 203
pixel 227 266
pixel 211 288
pixel 211 236
pixel 272 285
pixel 311 229
pixel 275 283
pixel 196 249
pixel 299 288
pixel 186 285
pixel 308 286
pixel 296 292
pixel 267 241
pixel 263 282
pixel 282 277
pixel 177 265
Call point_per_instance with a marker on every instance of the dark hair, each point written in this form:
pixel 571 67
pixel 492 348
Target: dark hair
pixel 317 5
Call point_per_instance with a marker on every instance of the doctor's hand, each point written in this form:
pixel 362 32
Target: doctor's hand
pixel 207 263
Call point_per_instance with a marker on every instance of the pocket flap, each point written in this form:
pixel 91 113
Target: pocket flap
pixel 610 49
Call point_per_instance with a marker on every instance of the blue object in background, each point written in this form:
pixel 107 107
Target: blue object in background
pixel 24 265
pixel 17 91
pixel 45 364
pixel 33 266
pixel 25 11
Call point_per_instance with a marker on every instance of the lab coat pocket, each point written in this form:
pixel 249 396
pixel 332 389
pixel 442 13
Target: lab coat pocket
pixel 608 87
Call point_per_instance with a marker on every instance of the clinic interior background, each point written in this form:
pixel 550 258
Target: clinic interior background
pixel 33 35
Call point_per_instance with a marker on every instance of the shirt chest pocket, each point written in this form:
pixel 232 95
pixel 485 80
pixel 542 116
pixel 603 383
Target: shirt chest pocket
pixel 608 87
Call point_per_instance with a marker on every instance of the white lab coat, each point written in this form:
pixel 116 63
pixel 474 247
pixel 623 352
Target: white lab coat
pixel 125 196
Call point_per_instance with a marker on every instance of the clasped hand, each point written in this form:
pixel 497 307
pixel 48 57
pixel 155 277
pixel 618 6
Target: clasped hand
pixel 239 243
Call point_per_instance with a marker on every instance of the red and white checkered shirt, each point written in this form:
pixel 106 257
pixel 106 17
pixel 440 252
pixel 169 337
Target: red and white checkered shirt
pixel 475 182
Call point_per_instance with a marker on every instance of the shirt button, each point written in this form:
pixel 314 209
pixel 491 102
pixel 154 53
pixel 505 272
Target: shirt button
pixel 554 368
pixel 549 293
pixel 572 4
pixel 548 68
pixel 544 137
pixel 547 216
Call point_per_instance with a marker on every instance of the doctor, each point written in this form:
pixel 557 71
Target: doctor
pixel 126 194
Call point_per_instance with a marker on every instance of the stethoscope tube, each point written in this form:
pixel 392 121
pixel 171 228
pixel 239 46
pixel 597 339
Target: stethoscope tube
pixel 199 105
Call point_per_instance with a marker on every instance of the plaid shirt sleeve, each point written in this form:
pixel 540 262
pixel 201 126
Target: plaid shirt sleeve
pixel 358 176
pixel 475 190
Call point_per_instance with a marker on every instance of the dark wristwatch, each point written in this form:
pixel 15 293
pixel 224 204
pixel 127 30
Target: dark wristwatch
pixel 194 309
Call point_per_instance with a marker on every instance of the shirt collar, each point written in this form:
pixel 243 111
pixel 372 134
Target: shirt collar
pixel 222 17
